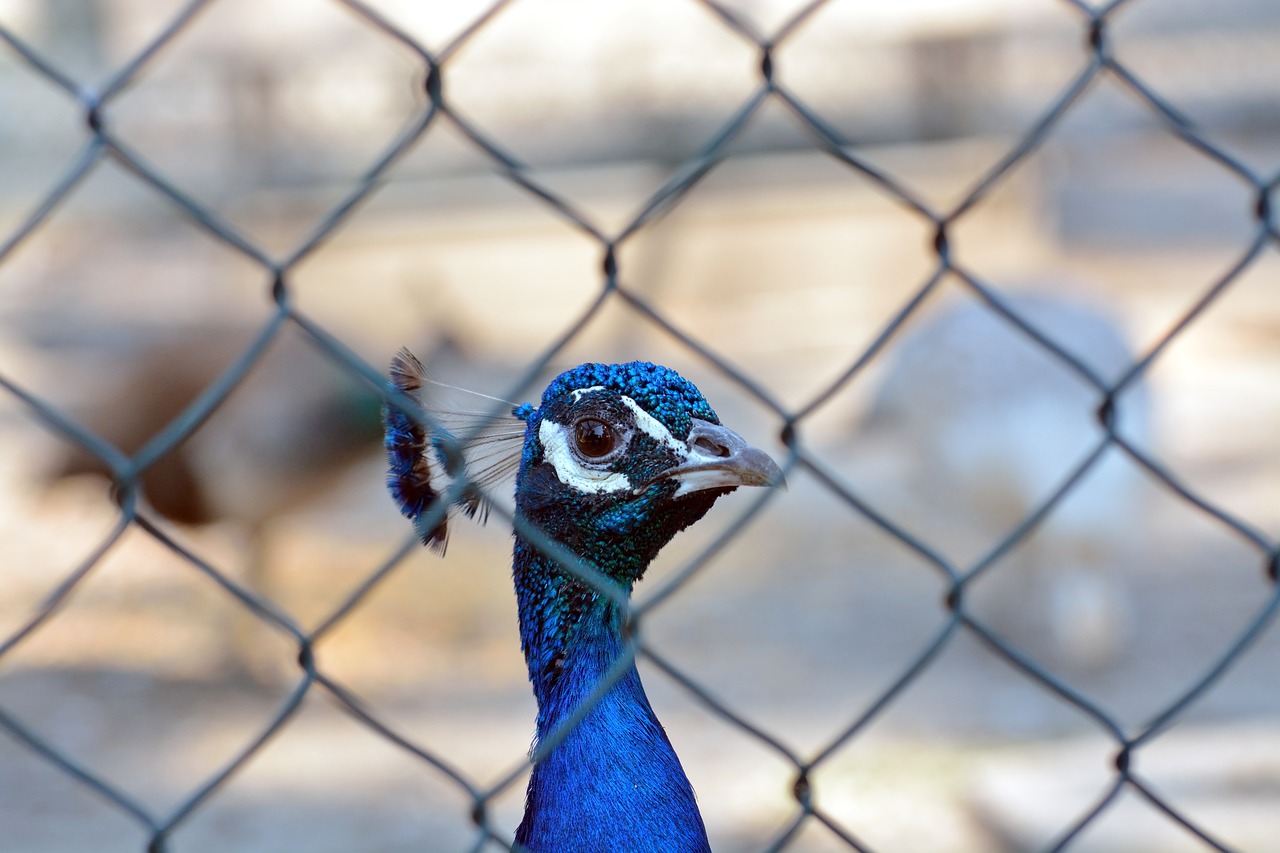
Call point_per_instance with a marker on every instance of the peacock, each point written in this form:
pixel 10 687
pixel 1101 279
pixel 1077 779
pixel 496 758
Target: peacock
pixel 614 461
pixel 286 435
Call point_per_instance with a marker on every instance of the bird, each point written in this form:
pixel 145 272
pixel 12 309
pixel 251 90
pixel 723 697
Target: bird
pixel 613 462
pixel 995 422
pixel 285 435
pixel 291 426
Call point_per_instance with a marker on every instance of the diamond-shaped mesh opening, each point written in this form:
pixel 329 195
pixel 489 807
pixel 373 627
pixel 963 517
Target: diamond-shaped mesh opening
pixel 628 69
pixel 783 201
pixel 268 119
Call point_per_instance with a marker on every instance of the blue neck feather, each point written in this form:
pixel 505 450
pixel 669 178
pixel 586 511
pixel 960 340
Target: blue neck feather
pixel 614 783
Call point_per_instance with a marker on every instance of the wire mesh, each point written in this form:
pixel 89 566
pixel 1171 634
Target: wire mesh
pixel 1098 60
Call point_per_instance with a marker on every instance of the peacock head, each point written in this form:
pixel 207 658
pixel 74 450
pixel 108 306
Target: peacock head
pixel 618 458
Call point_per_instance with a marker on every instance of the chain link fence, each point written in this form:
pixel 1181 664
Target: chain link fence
pixel 1098 59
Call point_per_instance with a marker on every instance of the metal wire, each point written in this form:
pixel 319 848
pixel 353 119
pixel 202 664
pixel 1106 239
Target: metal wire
pixel 1099 60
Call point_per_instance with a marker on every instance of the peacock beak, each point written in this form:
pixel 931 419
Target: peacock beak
pixel 719 458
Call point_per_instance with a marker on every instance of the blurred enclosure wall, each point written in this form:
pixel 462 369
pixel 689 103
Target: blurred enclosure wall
pixel 137 266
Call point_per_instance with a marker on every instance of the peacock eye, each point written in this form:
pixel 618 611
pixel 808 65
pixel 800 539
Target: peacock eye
pixel 595 438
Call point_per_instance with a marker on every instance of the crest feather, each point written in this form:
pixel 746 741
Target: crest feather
pixel 425 455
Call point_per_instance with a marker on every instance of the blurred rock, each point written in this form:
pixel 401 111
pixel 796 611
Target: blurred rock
pixel 991 423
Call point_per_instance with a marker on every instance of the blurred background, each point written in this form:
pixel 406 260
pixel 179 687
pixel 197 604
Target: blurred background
pixel 118 308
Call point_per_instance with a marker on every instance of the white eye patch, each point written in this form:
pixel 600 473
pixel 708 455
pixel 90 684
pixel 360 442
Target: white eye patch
pixel 555 448
pixel 583 478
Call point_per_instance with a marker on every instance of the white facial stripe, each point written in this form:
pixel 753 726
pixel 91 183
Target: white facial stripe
pixel 555 448
pixel 654 428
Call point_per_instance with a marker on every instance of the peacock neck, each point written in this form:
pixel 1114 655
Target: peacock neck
pixel 613 782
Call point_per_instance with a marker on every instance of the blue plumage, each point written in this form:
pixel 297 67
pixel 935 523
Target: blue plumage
pixel 615 460
pixel 419 465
